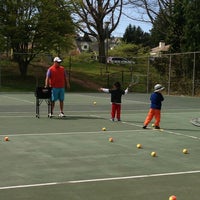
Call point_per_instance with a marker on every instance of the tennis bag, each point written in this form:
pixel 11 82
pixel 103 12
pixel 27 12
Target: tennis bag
pixel 43 93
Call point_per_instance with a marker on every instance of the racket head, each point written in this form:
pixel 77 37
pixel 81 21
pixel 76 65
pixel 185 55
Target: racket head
pixel 134 80
pixel 195 122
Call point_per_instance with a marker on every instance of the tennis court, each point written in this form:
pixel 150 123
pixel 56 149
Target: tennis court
pixel 71 158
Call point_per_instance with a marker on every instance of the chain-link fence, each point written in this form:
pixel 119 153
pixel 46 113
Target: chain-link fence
pixel 179 73
pixel 11 78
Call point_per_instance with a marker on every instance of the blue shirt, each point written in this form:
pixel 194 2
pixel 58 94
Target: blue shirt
pixel 156 100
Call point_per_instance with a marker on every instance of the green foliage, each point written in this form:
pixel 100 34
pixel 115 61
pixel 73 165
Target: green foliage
pixel 2 43
pixel 135 35
pixel 176 29
pixel 31 27
pixel 159 31
pixel 191 27
pixel 180 28
pixel 128 50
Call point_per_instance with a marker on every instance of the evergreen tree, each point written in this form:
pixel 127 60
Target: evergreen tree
pixel 191 31
pixel 159 31
pixel 136 35
pixel 176 29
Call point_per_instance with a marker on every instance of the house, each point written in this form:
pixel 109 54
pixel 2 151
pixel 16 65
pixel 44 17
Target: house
pixel 157 51
pixel 85 43
pixel 88 43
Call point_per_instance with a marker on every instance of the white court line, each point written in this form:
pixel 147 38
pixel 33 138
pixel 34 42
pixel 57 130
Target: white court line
pixel 18 99
pixel 104 97
pixel 167 131
pixel 132 124
pixel 131 111
pixel 70 133
pixel 100 180
pixel 181 134
pixel 97 116
pixel 21 116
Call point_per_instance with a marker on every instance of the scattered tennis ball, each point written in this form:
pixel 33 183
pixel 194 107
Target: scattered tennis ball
pixel 153 125
pixel 173 197
pixel 153 154
pixel 94 102
pixel 185 151
pixel 104 129
pixel 6 139
pixel 139 146
pixel 111 139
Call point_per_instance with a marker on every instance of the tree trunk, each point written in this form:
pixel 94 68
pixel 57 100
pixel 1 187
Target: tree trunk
pixel 23 67
pixel 102 54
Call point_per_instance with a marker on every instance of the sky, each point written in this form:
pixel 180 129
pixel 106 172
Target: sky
pixel 124 22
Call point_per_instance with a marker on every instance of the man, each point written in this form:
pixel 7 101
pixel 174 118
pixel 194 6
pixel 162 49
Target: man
pixel 57 79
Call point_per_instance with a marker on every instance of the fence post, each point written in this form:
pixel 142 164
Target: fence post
pixel 122 77
pixel 148 68
pixel 0 75
pixel 108 79
pixel 70 66
pixel 169 77
pixel 193 76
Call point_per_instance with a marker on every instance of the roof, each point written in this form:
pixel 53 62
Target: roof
pixel 160 49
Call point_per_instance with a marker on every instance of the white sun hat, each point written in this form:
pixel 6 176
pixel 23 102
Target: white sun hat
pixel 158 88
pixel 57 59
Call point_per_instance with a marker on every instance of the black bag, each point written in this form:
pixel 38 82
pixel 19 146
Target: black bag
pixel 43 93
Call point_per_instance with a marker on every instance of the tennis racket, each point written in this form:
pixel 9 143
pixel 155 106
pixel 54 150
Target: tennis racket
pixel 195 121
pixel 134 80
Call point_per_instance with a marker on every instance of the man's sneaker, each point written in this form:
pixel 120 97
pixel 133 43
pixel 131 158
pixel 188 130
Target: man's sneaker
pixel 61 114
pixel 50 115
pixel 157 127
pixel 144 127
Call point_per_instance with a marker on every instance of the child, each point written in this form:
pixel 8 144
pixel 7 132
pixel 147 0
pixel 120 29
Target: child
pixel 155 108
pixel 116 96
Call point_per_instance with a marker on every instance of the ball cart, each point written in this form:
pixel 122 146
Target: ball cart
pixel 42 94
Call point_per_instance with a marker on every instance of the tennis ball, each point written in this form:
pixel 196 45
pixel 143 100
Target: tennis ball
pixel 6 139
pixel 185 151
pixel 153 154
pixel 94 102
pixel 139 146
pixel 104 129
pixel 173 197
pixel 111 139
pixel 153 125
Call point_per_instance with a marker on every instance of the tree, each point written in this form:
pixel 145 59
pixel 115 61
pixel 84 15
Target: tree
pixel 98 18
pixel 31 27
pixel 191 37
pixel 136 35
pixel 158 12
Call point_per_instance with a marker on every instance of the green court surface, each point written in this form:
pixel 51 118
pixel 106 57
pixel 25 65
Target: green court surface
pixel 71 158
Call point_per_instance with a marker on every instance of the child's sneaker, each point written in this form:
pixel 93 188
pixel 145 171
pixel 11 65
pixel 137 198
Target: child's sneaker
pixel 112 119
pixel 157 127
pixel 144 127
pixel 61 114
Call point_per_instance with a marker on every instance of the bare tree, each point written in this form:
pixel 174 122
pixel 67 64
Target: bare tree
pixel 149 10
pixel 98 18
